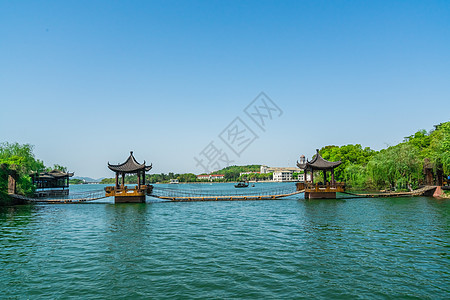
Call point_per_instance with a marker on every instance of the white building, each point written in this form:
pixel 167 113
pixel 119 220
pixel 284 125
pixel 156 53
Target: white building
pixel 247 173
pixel 203 177
pixel 211 177
pixel 266 169
pixel 301 177
pixel 282 176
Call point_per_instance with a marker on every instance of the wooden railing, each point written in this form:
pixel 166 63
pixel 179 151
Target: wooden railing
pixel 128 191
pixel 327 188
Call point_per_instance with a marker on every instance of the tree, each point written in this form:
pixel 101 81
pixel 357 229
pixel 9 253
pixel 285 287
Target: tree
pixel 396 167
pixel 20 159
pixel 349 155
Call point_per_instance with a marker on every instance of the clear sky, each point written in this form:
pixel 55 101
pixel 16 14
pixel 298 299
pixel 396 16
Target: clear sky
pixel 85 82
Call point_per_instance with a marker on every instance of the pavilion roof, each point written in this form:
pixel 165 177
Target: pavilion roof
pixel 57 173
pixel 54 174
pixel 319 163
pixel 129 166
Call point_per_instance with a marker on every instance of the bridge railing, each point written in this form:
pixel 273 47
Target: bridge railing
pixel 87 195
pixel 328 187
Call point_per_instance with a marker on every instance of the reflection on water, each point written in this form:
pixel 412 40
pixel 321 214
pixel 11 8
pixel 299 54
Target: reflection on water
pixel 293 248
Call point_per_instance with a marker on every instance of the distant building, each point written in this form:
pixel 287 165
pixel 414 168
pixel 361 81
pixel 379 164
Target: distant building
pixel 203 177
pixel 266 169
pixel 211 177
pixel 248 173
pixel 282 176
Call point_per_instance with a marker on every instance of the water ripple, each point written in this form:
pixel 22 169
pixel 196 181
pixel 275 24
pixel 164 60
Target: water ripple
pixel 359 248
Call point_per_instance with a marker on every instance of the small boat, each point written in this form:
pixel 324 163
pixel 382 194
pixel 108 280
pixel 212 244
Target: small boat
pixel 253 185
pixel 174 181
pixel 241 184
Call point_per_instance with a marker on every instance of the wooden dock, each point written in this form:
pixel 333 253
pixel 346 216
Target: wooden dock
pixel 424 191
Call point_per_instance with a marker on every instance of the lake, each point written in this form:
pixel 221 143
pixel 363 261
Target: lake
pixel 292 248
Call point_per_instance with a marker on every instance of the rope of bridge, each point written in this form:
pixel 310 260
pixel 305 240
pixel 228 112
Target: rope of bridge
pixel 88 195
pixel 80 196
pixel 250 191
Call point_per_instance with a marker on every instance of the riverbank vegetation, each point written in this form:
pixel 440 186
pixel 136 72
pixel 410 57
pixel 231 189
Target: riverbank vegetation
pixel 397 167
pixel 19 161
pixel 76 181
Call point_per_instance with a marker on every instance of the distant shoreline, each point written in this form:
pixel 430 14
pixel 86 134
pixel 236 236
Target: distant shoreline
pixel 194 182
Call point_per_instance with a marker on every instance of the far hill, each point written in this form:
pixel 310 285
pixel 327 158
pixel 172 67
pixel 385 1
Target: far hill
pixel 238 169
pixel 87 179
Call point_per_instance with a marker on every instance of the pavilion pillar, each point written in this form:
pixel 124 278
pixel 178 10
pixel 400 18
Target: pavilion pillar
pixel 139 179
pixel 332 176
pixel 123 180
pixel 143 178
pixel 117 180
pixel 312 175
pixel 325 177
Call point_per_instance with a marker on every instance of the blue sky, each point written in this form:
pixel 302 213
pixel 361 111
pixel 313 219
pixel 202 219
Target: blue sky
pixel 85 82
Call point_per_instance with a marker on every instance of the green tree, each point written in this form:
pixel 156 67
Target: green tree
pixel 396 167
pixel 349 155
pixel 18 158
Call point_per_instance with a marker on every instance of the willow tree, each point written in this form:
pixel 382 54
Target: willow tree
pixel 440 146
pixel 396 167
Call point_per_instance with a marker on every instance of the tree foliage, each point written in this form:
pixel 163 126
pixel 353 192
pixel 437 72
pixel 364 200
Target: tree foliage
pixel 397 167
pixel 18 159
pixel 349 155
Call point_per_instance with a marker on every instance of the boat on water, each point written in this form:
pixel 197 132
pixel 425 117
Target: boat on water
pixel 241 184
pixel 174 181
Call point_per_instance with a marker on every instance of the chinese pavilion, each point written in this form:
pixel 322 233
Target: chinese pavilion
pixel 123 193
pixel 325 189
pixel 53 183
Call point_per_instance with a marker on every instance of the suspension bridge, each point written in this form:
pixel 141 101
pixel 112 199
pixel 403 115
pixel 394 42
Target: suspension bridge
pixel 180 195
pixel 198 194
pixel 71 198
pixel 176 194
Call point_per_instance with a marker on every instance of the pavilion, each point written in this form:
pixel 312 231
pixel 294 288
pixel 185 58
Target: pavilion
pixel 123 193
pixel 53 183
pixel 325 189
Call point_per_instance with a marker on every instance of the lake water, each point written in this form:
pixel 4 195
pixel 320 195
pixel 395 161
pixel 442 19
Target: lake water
pixel 293 248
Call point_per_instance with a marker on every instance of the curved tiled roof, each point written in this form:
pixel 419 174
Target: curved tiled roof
pixel 129 166
pixel 319 163
pixel 54 174
pixel 57 173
